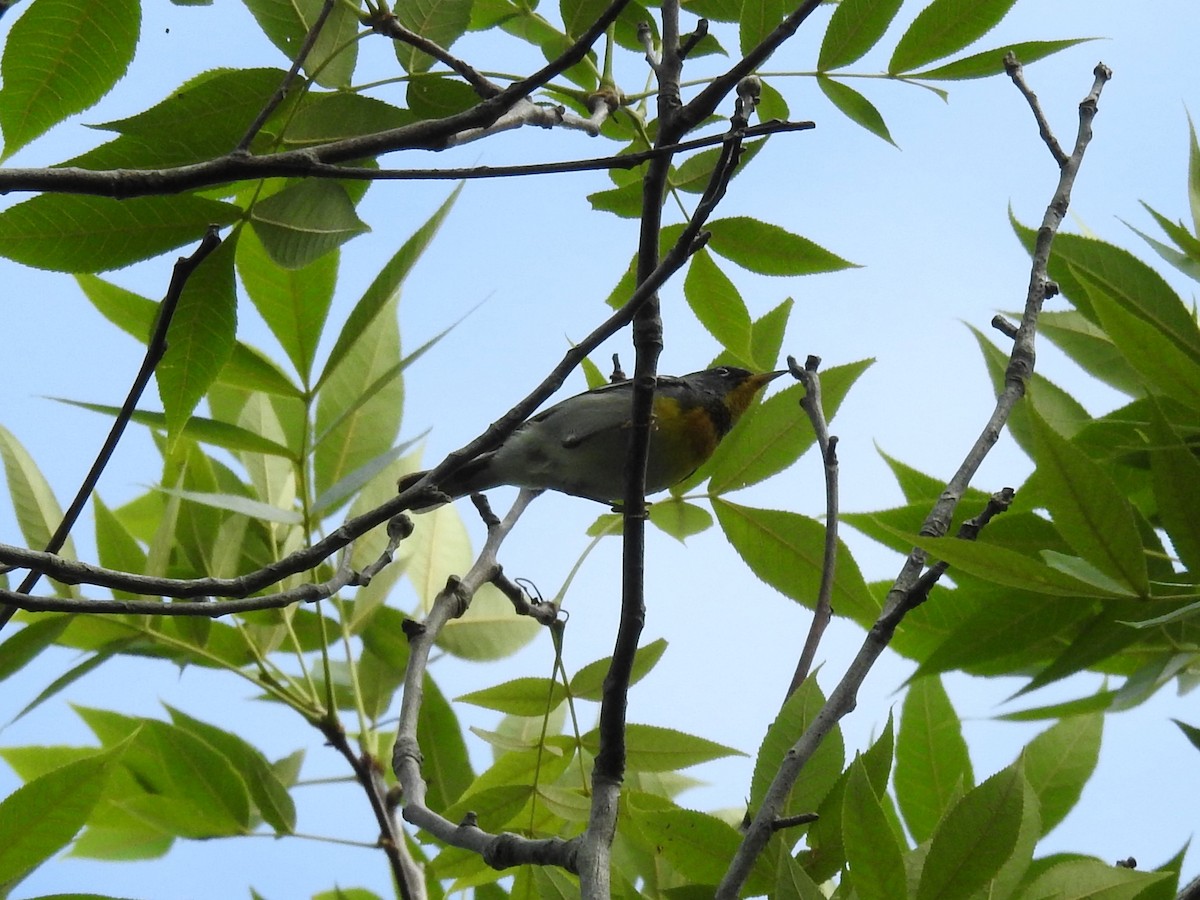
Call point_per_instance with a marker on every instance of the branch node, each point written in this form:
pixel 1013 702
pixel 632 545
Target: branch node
pixel 690 42
pixel 1005 327
pixel 792 821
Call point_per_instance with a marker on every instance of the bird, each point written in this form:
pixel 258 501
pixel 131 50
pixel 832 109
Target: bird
pixel 579 446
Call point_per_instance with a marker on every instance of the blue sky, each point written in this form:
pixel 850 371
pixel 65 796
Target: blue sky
pixel 928 223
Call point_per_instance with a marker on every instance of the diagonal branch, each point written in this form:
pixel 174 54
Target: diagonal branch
pixel 281 92
pixel 908 591
pixel 155 348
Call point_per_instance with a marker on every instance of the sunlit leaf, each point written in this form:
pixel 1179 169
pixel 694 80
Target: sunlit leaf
pixel 856 27
pixel 73 233
pixel 945 27
pixel 933 768
pixel 60 57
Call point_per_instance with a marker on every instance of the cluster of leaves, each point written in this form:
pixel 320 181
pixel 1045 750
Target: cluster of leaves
pixel 285 446
pixel 1107 580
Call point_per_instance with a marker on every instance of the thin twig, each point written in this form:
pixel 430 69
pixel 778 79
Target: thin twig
pixel 903 593
pixel 155 347
pixel 128 183
pixel 823 609
pixel 389 26
pixel 408 874
pixel 281 92
pixel 1015 71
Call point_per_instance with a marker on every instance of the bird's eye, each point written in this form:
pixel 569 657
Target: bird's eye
pixel 722 371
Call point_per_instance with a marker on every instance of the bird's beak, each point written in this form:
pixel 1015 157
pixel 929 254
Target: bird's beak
pixel 767 377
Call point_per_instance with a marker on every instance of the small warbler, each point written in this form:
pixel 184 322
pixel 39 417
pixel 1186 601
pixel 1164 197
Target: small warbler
pixel 579 446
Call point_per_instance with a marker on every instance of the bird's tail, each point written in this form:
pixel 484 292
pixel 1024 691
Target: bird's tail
pixel 467 479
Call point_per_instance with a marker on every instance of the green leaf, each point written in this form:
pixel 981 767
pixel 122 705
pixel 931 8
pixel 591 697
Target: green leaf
pixel 1091 349
pixel 588 682
pixel 770 250
pixel 37 511
pixel 28 643
pixel 786 551
pixel 856 27
pixel 999 565
pixel 624 201
pixel 445 764
pixel 695 845
pixel 855 107
pixel 1010 630
pixel 823 769
pixel 991 62
pixel 650 748
pixel 757 20
pixel 1062 411
pixel 385 287
pixel 1090 879
pixel 294 302
pixel 334 117
pixel 441 21
pixel 1193 175
pixel 827 853
pixel 767 337
pixel 352 432
pixel 933 768
pixel 244 506
pixel 872 849
pixel 200 337
pixel 251 370
pixel 519 697
pixel 1128 281
pixel 1058 763
pixel 1168 362
pixel 117 548
pixel 43 815
pixel 60 57
pixel 1175 476
pixel 975 839
pixel 269 794
pixel 694 173
pixel 187 787
pixel 286 22
pixel 945 27
pixel 134 314
pixel 718 305
pixel 68 233
pixel 679 518
pixel 202 119
pixel 304 221
pixel 206 431
pixel 1191 732
pixel 1089 509
pixel 436 96
pixel 774 434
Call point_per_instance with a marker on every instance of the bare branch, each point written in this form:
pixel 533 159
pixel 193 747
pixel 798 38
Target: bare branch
pixel 823 609
pixel 1015 71
pixel 905 590
pixel 126 183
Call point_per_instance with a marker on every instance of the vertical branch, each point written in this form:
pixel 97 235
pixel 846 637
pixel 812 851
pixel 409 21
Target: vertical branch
pixel 823 610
